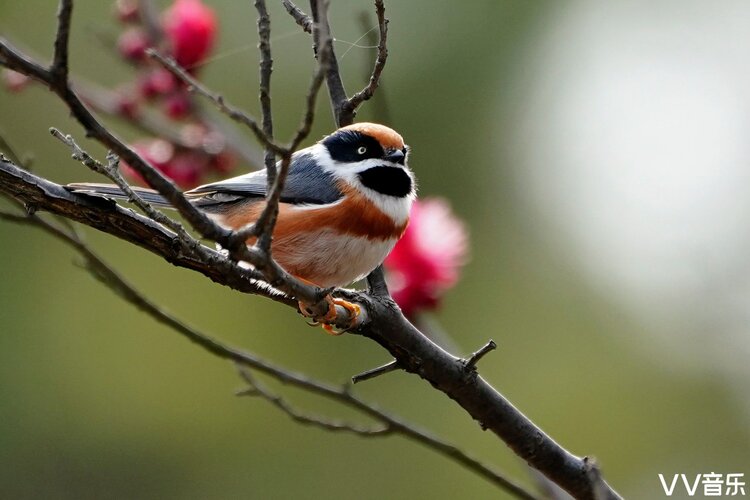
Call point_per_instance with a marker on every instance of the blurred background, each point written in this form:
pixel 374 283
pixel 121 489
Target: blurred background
pixel 598 153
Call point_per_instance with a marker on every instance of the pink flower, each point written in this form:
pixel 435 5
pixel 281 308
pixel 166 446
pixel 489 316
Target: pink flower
pixel 191 28
pixel 156 83
pixel 132 44
pixel 425 263
pixel 157 152
pixel 14 81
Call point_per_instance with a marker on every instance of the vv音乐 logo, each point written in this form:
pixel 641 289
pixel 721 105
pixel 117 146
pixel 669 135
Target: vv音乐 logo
pixel 706 485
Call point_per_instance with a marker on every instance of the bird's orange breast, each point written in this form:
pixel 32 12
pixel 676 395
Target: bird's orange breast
pixel 354 215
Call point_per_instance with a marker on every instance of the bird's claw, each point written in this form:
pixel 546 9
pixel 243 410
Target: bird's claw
pixel 327 322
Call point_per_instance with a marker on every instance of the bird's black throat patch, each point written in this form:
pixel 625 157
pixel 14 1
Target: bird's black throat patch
pixel 390 181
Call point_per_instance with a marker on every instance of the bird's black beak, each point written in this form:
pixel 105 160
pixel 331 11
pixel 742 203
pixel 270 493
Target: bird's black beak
pixel 396 156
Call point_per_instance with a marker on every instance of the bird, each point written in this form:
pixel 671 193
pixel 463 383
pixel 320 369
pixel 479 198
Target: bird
pixel 344 205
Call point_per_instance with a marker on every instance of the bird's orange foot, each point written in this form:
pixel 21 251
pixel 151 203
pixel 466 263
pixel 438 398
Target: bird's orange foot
pixel 328 321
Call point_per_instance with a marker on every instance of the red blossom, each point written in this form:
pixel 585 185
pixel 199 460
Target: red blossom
pixel 157 152
pixel 187 168
pixel 177 106
pixel 425 263
pixel 191 29
pixel 156 83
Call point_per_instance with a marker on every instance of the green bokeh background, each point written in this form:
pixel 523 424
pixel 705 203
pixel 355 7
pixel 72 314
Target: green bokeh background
pixel 98 401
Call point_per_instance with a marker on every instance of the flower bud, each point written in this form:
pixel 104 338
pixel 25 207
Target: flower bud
pixel 190 27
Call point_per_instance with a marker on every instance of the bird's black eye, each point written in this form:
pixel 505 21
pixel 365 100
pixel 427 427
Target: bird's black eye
pixel 347 146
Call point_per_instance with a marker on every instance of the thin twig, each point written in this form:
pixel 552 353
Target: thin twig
pixel 366 93
pixel 107 101
pixel 266 68
pixel 231 111
pixel 257 388
pixel 59 68
pixel 323 45
pixel 263 227
pixel 111 172
pixel 376 372
pixel 305 22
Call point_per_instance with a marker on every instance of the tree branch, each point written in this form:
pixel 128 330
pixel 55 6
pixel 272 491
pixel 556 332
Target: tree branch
pixel 304 21
pixel 389 424
pixel 59 68
pixel 383 321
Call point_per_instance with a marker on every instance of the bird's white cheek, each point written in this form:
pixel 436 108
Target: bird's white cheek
pixel 396 208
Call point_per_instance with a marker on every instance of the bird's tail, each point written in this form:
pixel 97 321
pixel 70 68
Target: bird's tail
pixel 112 191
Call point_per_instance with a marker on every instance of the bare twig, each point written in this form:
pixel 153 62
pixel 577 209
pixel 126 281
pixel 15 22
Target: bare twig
pixel 376 372
pixel 366 93
pixel 323 44
pixel 257 388
pixel 266 68
pixel 305 22
pixel 59 68
pixel 231 111
pixel 111 172
pixel 267 219
pixel 107 101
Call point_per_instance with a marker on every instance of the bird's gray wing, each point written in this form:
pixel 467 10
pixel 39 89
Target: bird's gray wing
pixel 306 184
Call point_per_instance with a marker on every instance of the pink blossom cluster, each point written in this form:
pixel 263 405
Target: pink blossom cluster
pixel 187 31
pixel 426 261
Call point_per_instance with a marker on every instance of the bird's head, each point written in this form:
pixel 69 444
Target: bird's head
pixel 370 157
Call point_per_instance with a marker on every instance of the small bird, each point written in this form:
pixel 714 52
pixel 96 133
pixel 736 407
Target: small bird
pixel 344 205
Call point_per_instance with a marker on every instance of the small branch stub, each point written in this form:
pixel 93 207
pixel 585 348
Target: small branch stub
pixel 472 361
pixel 376 372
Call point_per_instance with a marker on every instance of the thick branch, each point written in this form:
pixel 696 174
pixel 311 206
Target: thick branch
pixel 244 360
pixel 417 354
pixel 40 194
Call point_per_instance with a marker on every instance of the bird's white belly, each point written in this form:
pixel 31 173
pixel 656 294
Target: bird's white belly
pixel 328 258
